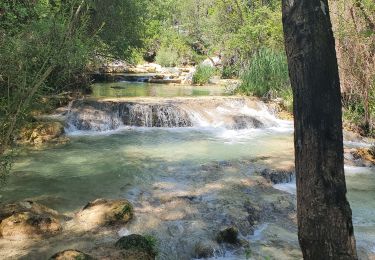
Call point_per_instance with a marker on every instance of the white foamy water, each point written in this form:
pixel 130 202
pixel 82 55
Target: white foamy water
pixel 352 170
pixel 232 117
pixel 287 187
pixel 351 144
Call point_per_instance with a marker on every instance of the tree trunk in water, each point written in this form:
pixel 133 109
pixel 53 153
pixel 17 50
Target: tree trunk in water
pixel 324 214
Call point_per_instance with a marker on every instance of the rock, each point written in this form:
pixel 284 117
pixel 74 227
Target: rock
pixel 365 155
pixel 29 225
pixel 212 62
pixel 136 247
pixel 136 255
pixel 26 206
pixel 205 249
pixel 71 254
pixel 244 122
pixel 41 132
pixel 278 176
pixel 165 81
pixel 284 205
pixel 228 235
pixel 254 212
pixel 102 212
pixel 115 66
pixel 28 219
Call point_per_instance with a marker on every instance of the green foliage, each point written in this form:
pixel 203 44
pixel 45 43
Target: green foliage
pixel 137 242
pixel 354 110
pixel 6 161
pixel 266 75
pixel 167 57
pixel 203 74
pixel 248 253
pixel 287 96
pixel 230 71
pixel 122 25
pixel 44 54
pixel 152 241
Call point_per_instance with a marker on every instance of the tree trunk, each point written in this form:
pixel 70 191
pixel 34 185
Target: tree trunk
pixel 324 214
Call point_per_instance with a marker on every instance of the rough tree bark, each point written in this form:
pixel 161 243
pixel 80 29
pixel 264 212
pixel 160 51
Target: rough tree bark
pixel 324 214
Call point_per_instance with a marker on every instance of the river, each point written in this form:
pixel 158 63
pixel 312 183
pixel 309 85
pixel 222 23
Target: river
pixel 186 182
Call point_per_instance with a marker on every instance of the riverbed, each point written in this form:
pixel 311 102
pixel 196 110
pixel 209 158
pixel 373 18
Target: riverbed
pixel 186 183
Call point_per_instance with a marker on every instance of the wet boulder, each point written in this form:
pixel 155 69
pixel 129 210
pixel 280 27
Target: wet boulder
pixel 102 212
pixel 245 122
pixel 364 156
pixel 205 249
pixel 28 219
pixel 228 235
pixel 137 247
pixel 71 254
pixel 278 176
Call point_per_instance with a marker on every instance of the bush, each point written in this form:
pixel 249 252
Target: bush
pixel 266 75
pixel 46 54
pixel 167 57
pixel 203 74
pixel 287 96
pixel 229 71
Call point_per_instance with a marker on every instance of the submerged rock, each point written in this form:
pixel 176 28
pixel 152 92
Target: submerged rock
pixel 29 225
pixel 28 219
pixel 245 122
pixel 228 235
pixel 71 254
pixel 103 212
pixel 136 247
pixel 254 212
pixel 278 176
pixel 205 249
pixel 26 206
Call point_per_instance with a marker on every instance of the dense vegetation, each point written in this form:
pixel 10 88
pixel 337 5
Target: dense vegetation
pixel 48 46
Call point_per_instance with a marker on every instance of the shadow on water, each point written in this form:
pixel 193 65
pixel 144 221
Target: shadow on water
pixel 185 186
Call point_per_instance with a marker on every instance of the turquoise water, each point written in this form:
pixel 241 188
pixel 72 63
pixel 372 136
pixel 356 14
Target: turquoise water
pixel 124 163
pixel 184 183
pixel 138 89
pixel 67 176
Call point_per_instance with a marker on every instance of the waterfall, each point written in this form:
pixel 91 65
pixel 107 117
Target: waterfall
pixel 139 115
pixel 228 113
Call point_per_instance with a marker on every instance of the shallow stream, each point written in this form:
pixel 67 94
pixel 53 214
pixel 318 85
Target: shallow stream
pixel 185 183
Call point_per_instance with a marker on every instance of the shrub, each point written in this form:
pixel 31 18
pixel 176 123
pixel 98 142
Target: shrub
pixel 203 74
pixel 167 57
pixel 287 96
pixel 229 71
pixel 266 75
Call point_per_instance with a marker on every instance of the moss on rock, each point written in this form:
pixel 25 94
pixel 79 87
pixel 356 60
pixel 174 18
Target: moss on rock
pixel 103 212
pixel 136 245
pixel 228 235
pixel 71 254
